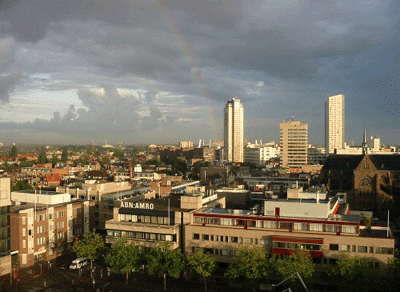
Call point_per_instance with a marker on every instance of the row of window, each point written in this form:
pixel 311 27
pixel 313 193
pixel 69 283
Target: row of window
pixel 160 220
pixel 267 224
pixel 361 249
pixel 142 235
pixel 295 245
pixel 224 238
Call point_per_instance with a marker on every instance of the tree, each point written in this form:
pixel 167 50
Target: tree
pixel 354 272
pixel 250 265
pixel 64 155
pixel 21 185
pixel 42 158
pixel 164 261
pixel 298 262
pixel 54 160
pixel 394 273
pixel 124 258
pixel 202 264
pixel 13 152
pixel 89 247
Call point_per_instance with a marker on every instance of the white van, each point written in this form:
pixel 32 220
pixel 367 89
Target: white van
pixel 78 263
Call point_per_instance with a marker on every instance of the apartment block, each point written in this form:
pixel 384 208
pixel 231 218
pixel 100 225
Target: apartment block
pixel 334 123
pixel 293 144
pixel 233 131
pixel 43 231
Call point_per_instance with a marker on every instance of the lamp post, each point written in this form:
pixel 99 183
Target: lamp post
pixel 295 274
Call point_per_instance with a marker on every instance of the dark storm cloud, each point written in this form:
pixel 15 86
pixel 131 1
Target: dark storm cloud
pixel 195 49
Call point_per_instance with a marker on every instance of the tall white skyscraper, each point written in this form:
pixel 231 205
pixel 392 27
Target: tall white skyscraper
pixel 233 131
pixel 334 123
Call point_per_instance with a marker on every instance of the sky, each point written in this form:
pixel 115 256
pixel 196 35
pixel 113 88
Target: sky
pixel 161 71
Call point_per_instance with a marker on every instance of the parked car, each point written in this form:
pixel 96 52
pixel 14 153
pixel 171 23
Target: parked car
pixel 78 263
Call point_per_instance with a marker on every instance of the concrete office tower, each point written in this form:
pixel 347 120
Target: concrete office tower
pixel 334 123
pixel 293 144
pixel 233 131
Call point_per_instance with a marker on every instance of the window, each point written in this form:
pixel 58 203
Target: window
pixel 345 247
pixel 23 231
pixel 353 248
pixel 196 236
pixel 249 240
pixel 371 249
pixel 234 239
pixel 205 237
pixel 363 249
pixel 316 227
pixel 384 250
pixel 333 247
pixel 24 243
pixel 23 220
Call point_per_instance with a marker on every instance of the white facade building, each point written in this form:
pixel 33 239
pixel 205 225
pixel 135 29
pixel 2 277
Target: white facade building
pixel 233 131
pixel 334 123
pixel 316 155
pixel 259 154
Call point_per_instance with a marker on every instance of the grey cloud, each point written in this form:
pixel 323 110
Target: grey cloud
pixel 8 83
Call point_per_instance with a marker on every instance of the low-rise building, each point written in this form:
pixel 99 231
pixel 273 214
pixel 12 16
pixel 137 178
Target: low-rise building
pixel 259 154
pixel 282 226
pixel 150 221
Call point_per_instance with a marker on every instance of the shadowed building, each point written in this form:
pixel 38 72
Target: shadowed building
pixel 372 182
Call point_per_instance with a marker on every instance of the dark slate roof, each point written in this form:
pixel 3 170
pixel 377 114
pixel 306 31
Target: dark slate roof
pixel 342 162
pixel 386 161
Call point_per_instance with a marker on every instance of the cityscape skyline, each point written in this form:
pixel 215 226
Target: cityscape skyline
pixel 160 72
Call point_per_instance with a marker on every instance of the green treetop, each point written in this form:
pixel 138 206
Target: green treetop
pixel 124 258
pixel 164 261
pixel 202 264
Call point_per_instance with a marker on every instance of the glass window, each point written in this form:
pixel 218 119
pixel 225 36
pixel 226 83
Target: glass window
pixel 333 247
pixel 345 247
pixel 249 240
pixel 330 228
pixel 205 237
pixel 234 239
pixel 153 220
pixel 371 249
pixel 362 249
pixel 196 236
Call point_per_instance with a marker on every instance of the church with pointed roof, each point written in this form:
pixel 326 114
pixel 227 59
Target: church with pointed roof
pixel 371 181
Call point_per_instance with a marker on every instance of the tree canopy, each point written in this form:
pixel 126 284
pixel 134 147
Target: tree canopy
pixel 13 152
pixel 89 247
pixel 164 261
pixel 124 258
pixel 354 272
pixel 298 262
pixel 202 264
pixel 250 265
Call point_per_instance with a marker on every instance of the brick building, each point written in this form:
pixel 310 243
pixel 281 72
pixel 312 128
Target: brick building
pixel 372 182
pixel 46 224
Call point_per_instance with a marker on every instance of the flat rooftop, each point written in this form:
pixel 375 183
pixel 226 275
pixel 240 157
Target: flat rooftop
pixel 33 192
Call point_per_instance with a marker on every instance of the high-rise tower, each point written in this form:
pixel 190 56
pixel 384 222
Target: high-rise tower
pixel 233 131
pixel 293 144
pixel 334 123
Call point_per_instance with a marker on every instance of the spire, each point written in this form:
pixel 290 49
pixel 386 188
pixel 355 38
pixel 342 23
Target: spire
pixel 364 143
